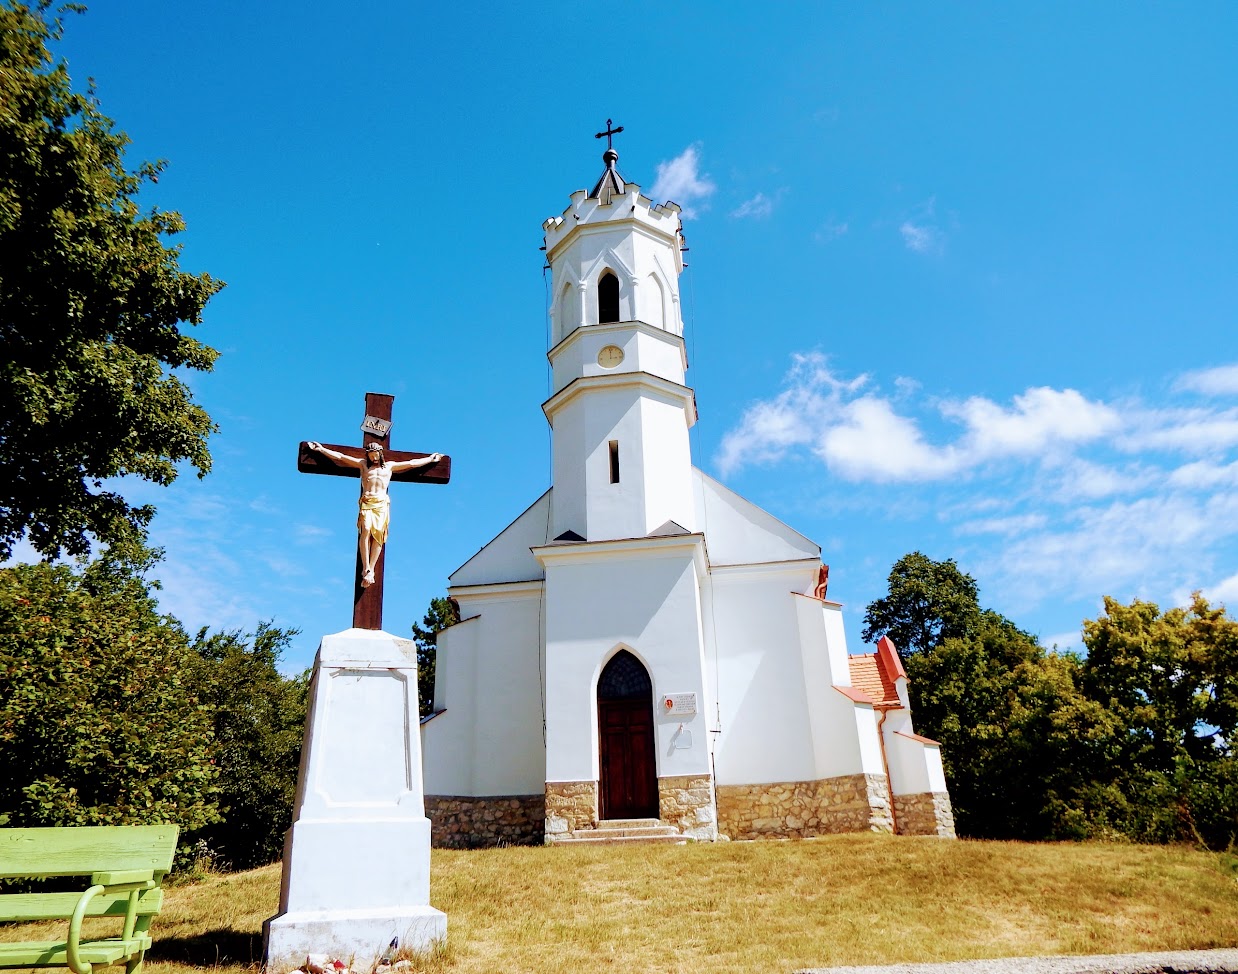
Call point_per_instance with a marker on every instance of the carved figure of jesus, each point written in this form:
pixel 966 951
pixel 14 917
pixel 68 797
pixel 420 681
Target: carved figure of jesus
pixel 374 516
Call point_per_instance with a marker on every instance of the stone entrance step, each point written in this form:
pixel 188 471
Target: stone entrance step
pixel 632 830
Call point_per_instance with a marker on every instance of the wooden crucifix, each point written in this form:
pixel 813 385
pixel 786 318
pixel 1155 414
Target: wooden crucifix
pixel 377 466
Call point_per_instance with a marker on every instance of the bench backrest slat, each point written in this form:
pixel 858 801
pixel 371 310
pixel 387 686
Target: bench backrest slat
pixel 56 906
pixel 81 851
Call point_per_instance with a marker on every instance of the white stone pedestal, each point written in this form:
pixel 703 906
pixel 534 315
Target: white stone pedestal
pixel 357 858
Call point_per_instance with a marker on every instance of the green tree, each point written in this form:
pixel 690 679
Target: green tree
pixel 443 612
pixel 98 724
pixel 927 602
pixel 1170 681
pixel 91 304
pixel 258 723
pixel 1019 738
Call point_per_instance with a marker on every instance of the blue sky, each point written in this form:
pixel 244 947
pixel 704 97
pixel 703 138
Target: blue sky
pixel 964 277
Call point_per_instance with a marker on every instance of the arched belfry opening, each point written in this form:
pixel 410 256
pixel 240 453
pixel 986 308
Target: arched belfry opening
pixel 628 785
pixel 608 297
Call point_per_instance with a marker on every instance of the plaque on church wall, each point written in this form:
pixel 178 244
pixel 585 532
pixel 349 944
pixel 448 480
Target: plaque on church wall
pixel 679 704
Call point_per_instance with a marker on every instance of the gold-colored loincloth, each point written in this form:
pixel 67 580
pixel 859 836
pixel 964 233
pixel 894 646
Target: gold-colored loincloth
pixel 375 517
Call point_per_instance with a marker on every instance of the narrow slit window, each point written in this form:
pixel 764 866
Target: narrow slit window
pixel 614 461
pixel 608 298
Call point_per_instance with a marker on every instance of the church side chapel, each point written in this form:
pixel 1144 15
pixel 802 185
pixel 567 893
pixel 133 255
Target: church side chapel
pixel 642 652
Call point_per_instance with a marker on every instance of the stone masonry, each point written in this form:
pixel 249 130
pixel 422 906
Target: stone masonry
pixel 687 802
pixel 800 809
pixel 463 822
pixel 927 813
pixel 570 805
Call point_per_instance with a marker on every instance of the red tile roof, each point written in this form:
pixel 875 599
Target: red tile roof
pixel 875 680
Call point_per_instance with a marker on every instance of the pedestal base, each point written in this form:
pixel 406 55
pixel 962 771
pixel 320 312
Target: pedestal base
pixel 357 937
pixel 357 858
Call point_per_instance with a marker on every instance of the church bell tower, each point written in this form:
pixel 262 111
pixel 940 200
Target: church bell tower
pixel 619 409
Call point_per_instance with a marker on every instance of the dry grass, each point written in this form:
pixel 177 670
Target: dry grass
pixel 774 906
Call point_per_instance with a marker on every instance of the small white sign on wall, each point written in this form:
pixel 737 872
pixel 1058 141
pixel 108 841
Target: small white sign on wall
pixel 679 704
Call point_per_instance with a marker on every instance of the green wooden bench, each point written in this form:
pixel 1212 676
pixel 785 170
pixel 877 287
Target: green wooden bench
pixel 125 865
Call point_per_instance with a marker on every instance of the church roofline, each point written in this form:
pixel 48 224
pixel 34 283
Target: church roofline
pixel 530 586
pixel 644 380
pixel 727 490
pixel 765 567
pixel 918 738
pixel 542 496
pixel 592 550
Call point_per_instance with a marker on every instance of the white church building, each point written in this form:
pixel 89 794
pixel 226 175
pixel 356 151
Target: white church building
pixel 642 643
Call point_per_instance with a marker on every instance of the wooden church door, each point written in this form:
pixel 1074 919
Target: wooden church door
pixel 629 776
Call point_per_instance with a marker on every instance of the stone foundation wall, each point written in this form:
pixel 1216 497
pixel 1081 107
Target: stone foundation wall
pixel 927 813
pixel 687 802
pixel 464 822
pixel 801 809
pixel 570 805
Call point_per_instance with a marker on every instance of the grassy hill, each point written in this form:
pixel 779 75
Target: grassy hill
pixel 771 906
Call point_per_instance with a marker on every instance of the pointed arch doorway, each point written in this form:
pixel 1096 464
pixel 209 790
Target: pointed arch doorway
pixel 628 767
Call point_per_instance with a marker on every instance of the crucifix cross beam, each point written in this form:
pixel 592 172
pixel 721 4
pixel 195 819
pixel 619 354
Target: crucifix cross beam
pixel 396 465
pixel 609 134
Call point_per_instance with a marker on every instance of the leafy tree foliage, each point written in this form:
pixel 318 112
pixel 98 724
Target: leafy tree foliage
pixel 1138 740
pixel 91 303
pixel 258 722
pixel 928 601
pixel 1018 735
pixel 98 723
pixel 443 612
pixel 1170 681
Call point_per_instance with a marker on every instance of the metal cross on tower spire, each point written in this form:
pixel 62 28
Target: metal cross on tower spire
pixel 609 134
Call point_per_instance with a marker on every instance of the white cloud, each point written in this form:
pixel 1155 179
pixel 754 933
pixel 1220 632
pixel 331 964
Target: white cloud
pixel 758 207
pixel 920 231
pixel 1195 430
pixel 872 442
pixel 681 181
pixel 1219 381
pixel 310 533
pixel 1016 524
pixel 1079 479
pixel 1225 591
pixel 865 438
pixel 1052 494
pixel 922 238
pixel 830 230
pixel 1039 418
pixel 1203 474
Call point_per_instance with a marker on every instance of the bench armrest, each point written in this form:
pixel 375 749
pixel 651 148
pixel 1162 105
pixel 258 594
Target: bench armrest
pixel 123 877
pixel 76 964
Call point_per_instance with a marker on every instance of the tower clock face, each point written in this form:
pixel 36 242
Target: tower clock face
pixel 610 356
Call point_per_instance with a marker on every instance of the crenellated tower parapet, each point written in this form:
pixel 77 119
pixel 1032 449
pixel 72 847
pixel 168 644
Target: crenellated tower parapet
pixel 614 232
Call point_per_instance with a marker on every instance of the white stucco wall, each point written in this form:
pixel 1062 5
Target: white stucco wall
pixel 488 680
pixel 647 422
pixel 766 729
pixel 836 641
pixel 645 349
pixel 915 767
pixel 643 597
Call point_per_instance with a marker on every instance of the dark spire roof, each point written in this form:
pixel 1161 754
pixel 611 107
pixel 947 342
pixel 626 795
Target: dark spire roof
pixel 611 184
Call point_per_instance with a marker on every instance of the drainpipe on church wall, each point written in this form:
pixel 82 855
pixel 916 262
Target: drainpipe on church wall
pixel 882 713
